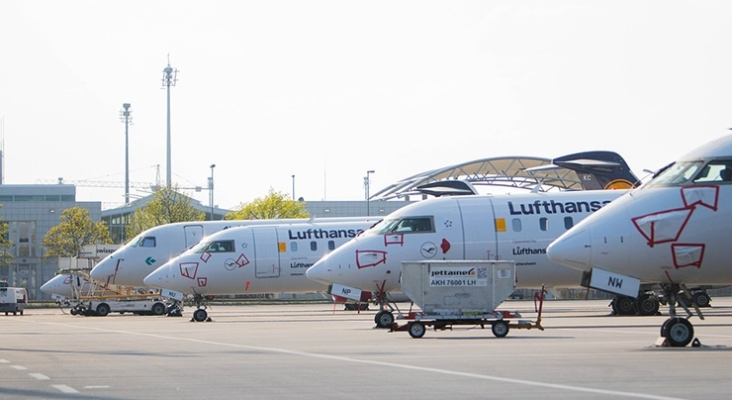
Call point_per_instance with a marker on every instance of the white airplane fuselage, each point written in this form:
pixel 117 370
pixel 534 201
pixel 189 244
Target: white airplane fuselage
pixel 515 227
pixel 130 264
pixel 255 259
pixel 672 230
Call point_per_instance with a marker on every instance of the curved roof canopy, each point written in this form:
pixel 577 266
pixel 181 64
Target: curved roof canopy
pixel 530 173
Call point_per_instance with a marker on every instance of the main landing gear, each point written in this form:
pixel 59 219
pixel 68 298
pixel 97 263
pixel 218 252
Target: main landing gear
pixel 677 331
pixel 645 304
pixel 648 303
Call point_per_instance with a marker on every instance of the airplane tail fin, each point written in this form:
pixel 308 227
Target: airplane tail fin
pixel 596 170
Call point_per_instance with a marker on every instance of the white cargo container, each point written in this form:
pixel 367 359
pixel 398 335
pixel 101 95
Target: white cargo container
pixel 460 292
pixel 458 287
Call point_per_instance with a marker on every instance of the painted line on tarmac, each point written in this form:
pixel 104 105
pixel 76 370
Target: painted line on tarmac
pixel 18 367
pixel 386 364
pixel 40 377
pixel 65 389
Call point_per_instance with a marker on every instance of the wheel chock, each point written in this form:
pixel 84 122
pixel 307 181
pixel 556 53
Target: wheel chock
pixel 695 343
pixel 662 342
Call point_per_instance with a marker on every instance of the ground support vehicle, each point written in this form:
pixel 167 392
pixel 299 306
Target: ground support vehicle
pixel 89 298
pixel 462 292
pixel 13 300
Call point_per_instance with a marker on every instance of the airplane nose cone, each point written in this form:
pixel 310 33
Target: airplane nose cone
pixel 155 279
pixel 572 249
pixel 103 270
pixel 320 272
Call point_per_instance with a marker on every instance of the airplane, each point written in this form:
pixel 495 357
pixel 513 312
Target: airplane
pixel 253 260
pixel 131 263
pixel 671 233
pixel 514 226
pixel 65 285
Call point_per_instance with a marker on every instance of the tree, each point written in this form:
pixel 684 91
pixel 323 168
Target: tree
pixel 6 258
pixel 167 206
pixel 76 230
pixel 275 205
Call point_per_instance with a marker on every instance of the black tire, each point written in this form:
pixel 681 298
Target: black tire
pixel 384 319
pixel 103 309
pixel 500 328
pixel 701 299
pixel 158 309
pixel 647 304
pixel 663 327
pixel 200 315
pixel 678 332
pixel 624 305
pixel 416 330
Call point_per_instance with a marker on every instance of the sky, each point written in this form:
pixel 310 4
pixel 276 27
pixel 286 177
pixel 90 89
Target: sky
pixel 328 90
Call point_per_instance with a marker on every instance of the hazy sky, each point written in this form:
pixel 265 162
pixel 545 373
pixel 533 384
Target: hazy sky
pixel 327 90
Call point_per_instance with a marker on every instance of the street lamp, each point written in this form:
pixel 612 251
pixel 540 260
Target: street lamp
pixel 211 191
pixel 366 184
pixel 293 187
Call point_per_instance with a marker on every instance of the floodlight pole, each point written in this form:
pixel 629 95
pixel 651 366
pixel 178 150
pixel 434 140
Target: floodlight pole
pixel 366 184
pixel 125 115
pixel 170 77
pixel 211 191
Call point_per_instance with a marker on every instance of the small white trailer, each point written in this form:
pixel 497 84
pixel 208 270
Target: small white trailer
pixel 460 292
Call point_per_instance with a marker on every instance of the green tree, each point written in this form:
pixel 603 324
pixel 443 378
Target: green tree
pixel 168 205
pixel 275 205
pixel 6 257
pixel 76 230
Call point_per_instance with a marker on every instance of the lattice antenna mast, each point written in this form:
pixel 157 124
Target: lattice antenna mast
pixel 170 77
pixel 126 117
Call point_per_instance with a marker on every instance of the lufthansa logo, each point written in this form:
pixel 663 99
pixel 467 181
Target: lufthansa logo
pixel 618 184
pixel 428 250
pixel 230 264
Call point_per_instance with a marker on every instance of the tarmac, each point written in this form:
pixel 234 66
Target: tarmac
pixel 321 351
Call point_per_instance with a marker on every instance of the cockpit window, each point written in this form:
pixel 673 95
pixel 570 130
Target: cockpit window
pixel 404 225
pixel 221 246
pixel 146 241
pixel 715 171
pixel 678 173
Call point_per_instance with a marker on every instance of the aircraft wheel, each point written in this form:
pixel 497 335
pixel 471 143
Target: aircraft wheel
pixel 500 328
pixel 103 309
pixel 647 304
pixel 701 299
pixel 416 330
pixel 384 319
pixel 200 315
pixel 624 305
pixel 678 332
pixel 158 309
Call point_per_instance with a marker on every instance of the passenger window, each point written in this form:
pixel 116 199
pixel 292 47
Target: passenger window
pixel 293 246
pixel 331 245
pixel 544 224
pixel 516 223
pixel 314 246
pixel 568 223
